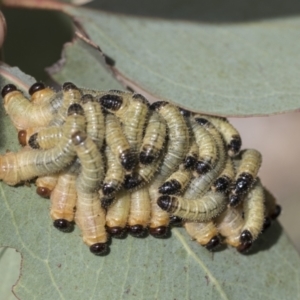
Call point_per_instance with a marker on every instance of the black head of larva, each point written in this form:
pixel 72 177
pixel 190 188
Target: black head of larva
pixel 107 189
pixel 99 249
pixel 202 167
pixel 276 212
pixel 157 105
pixel 235 144
pixel 128 160
pixel 213 243
pixel 246 240
pixel 32 142
pixel 63 225
pixel 132 181
pixel 8 89
pixel 38 86
pixel 146 157
pixel 185 113
pixel 69 86
pixel 201 121
pixel 222 184
pixel 234 200
pixel 160 232
pixel 117 232
pixel 170 187
pixel 112 102
pixel 165 203
pixel 243 183
pixel 75 109
pixel 87 98
pixel 190 162
pixel 107 201
pixel 78 137
pixel 267 224
pixel 175 221
pixel 137 231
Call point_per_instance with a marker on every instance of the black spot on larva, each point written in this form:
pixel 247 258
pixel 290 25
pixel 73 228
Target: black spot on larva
pixel 141 98
pixel 222 184
pixel 165 203
pixel 107 189
pixel 160 232
pixel 235 144
pixel 157 105
pixel 170 187
pixel 43 192
pixel 175 221
pixel 202 167
pixel 112 102
pixel 22 134
pixel 276 212
pixel 87 98
pixel 69 86
pixel 190 162
pixel 128 160
pixel 213 243
pixel 78 137
pixel 184 112
pixel 267 224
pixel 137 230
pixel 8 89
pixel 201 121
pixel 32 142
pixel 243 183
pixel 146 157
pixel 132 181
pixel 38 86
pixel 63 225
pixel 234 200
pixel 75 108
pixel 99 249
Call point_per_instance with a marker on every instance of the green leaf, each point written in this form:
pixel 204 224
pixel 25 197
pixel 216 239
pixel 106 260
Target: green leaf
pixel 59 266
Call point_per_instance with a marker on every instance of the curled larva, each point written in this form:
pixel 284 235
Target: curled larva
pixel 117 214
pixel 40 93
pixel 132 110
pixel 154 138
pixel 140 212
pixel 247 168
pixel 207 146
pixel 114 175
pixel 46 184
pixel 254 215
pixel 95 123
pixel 205 233
pixel 229 133
pixel 25 165
pixel 45 138
pixel 25 114
pixel 71 94
pixel 90 216
pixel 118 143
pixel 201 210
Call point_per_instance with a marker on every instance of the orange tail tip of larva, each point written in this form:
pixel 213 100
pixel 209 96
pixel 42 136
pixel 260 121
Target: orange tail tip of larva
pixel 99 249
pixel 78 137
pixel 43 192
pixel 38 86
pixel 8 89
pixel 22 137
pixel 63 225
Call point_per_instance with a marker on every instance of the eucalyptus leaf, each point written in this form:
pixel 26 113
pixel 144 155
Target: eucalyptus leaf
pixel 59 266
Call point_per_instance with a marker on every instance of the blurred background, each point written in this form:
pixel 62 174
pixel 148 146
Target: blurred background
pixel 34 41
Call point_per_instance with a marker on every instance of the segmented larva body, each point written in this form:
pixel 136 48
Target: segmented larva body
pixel 25 114
pixel 90 216
pixel 46 184
pixel 205 233
pixel 132 110
pixel 45 138
pixel 192 155
pixel 154 138
pixel 117 214
pixel 40 94
pixel 118 143
pixel 25 165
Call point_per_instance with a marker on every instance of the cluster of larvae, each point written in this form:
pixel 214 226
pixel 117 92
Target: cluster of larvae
pixel 114 164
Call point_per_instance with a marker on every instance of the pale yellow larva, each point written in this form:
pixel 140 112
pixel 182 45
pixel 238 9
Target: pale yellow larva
pixel 229 133
pixel 154 138
pixel 90 216
pixel 118 143
pixel 201 210
pixel 140 212
pixel 40 93
pixel 25 114
pixel 248 165
pixel 95 127
pixel 46 184
pixel 205 233
pixel 191 158
pixel 117 214
pixel 45 138
pixel 25 165
pixel 132 110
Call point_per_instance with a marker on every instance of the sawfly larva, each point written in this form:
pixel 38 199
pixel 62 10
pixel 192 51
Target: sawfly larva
pixel 46 184
pixel 45 138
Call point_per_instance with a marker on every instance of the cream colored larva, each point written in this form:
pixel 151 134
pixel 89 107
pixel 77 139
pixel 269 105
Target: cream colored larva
pixel 229 133
pixel 118 143
pixel 46 184
pixel 25 114
pixel 90 216
pixel 205 233
pixel 132 110
pixel 45 138
pixel 25 165
pixel 117 214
